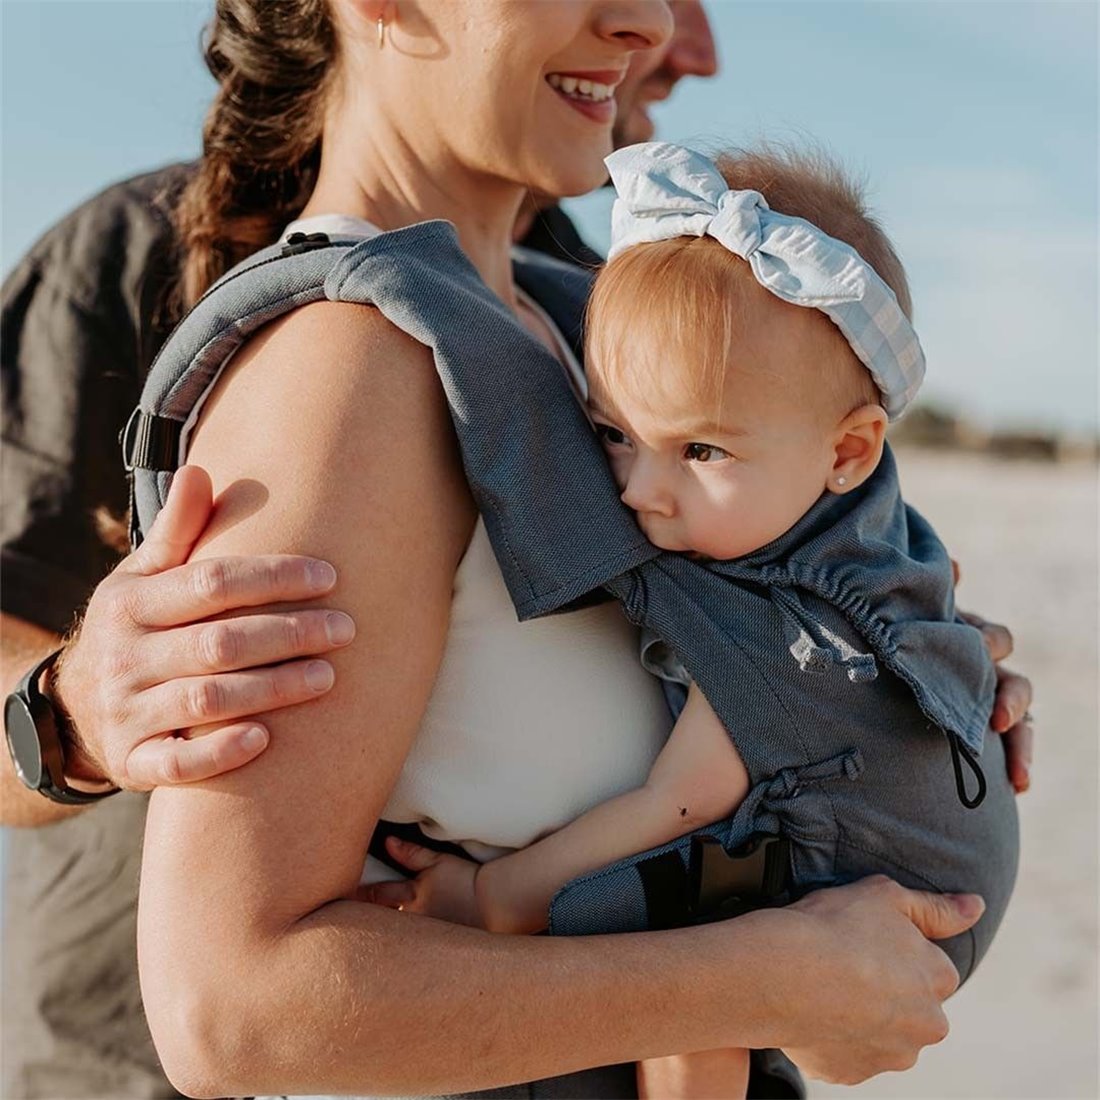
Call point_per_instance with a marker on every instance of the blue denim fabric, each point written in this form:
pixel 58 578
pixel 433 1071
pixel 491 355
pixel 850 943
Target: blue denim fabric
pixel 833 656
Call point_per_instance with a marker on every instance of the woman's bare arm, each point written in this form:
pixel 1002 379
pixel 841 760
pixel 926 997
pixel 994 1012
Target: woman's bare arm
pixel 329 436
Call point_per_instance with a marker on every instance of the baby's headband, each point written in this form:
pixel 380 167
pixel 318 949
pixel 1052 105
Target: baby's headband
pixel 668 191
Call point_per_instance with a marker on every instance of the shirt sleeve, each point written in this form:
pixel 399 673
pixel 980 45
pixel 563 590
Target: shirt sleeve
pixel 69 378
pixel 81 317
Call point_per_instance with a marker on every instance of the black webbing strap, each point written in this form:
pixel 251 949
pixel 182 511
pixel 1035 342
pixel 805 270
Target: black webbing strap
pixel 664 884
pixel 150 442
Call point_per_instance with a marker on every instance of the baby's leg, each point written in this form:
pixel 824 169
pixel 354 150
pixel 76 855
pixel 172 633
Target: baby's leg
pixel 705 1075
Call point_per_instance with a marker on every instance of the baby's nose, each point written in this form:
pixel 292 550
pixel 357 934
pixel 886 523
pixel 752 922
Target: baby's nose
pixel 645 491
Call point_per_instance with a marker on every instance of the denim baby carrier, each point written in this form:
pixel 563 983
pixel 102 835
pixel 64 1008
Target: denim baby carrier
pixel 833 655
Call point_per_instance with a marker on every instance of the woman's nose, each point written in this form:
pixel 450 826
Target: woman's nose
pixel 647 491
pixel 640 24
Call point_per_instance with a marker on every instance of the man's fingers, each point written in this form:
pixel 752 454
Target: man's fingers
pixel 199 700
pixel 248 642
pixel 939 916
pixel 997 638
pixel 1013 699
pixel 393 895
pixel 168 761
pixel 178 525
pixel 956 572
pixel 205 588
pixel 412 856
pixel 1018 748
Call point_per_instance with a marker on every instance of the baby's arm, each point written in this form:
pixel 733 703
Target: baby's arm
pixel 698 778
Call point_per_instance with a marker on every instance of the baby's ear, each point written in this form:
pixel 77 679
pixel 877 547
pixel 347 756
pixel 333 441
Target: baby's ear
pixel 859 440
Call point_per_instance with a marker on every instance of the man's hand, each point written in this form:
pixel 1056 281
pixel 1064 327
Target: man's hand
pixel 1011 709
pixel 151 657
pixel 444 886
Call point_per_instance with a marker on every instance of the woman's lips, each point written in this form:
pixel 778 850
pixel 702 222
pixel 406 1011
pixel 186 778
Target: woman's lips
pixel 590 93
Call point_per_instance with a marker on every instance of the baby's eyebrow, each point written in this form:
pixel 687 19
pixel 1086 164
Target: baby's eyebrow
pixel 709 427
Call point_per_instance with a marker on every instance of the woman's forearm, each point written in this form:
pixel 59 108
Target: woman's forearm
pixel 356 998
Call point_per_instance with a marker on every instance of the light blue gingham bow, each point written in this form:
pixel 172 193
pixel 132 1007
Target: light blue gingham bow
pixel 668 191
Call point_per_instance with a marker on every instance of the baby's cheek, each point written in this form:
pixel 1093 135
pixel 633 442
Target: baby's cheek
pixel 725 521
pixel 620 467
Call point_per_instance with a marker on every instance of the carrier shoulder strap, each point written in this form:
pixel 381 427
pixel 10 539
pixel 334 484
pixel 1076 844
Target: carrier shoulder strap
pixel 269 284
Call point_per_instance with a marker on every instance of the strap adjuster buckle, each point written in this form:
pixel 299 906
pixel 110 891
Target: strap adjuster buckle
pixel 150 442
pixel 755 875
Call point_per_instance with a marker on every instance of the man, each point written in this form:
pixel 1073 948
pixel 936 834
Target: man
pixel 83 316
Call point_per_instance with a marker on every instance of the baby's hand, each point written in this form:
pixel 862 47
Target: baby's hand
pixel 443 886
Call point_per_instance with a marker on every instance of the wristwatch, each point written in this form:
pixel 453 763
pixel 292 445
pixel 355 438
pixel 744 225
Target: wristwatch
pixel 33 726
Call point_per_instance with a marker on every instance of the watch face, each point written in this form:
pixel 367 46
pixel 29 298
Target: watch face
pixel 23 741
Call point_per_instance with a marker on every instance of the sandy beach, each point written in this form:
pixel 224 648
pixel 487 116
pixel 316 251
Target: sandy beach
pixel 1025 535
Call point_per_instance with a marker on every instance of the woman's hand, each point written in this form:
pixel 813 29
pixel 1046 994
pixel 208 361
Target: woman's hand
pixel 151 658
pixel 855 977
pixel 444 886
pixel 1011 708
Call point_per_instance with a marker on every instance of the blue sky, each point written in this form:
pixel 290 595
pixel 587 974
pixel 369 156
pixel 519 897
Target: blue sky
pixel 974 122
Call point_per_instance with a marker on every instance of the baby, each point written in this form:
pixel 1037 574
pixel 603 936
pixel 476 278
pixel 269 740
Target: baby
pixel 747 344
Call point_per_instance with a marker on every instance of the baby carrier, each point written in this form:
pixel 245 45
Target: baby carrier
pixel 853 714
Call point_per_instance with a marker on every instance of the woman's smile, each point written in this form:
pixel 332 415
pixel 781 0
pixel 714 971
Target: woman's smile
pixel 589 93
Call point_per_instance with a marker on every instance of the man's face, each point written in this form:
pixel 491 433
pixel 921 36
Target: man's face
pixel 654 73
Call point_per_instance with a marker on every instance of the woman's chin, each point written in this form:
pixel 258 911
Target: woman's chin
pixel 576 173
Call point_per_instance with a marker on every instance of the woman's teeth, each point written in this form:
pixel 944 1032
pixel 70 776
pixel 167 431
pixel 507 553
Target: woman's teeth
pixel 581 89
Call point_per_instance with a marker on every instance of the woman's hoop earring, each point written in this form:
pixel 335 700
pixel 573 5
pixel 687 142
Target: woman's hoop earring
pixel 381 32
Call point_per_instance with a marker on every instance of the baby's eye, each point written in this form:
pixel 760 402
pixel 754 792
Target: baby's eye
pixel 610 436
pixel 704 452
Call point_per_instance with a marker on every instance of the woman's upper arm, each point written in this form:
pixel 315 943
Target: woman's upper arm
pixel 328 435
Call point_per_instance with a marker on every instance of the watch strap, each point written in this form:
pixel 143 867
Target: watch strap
pixel 49 723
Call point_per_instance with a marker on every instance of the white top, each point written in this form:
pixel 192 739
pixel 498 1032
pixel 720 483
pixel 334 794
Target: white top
pixel 529 724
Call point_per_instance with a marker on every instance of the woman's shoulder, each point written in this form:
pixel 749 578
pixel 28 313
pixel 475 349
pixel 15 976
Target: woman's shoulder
pixel 343 343
pixel 343 361
pixel 334 411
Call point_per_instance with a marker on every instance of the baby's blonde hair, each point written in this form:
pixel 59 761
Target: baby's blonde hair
pixel 693 294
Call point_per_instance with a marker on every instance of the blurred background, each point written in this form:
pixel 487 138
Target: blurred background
pixel 975 124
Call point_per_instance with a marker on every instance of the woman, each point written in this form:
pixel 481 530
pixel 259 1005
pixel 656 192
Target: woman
pixel 440 110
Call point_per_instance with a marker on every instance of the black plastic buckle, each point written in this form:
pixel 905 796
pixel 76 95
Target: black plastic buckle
pixel 716 884
pixel 724 884
pixel 304 242
pixel 150 442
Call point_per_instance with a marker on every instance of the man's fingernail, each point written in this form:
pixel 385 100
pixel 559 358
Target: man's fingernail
pixel 319 675
pixel 339 628
pixel 255 738
pixel 321 575
pixel 969 905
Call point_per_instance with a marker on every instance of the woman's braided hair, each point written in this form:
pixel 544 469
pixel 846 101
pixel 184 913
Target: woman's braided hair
pixel 273 60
